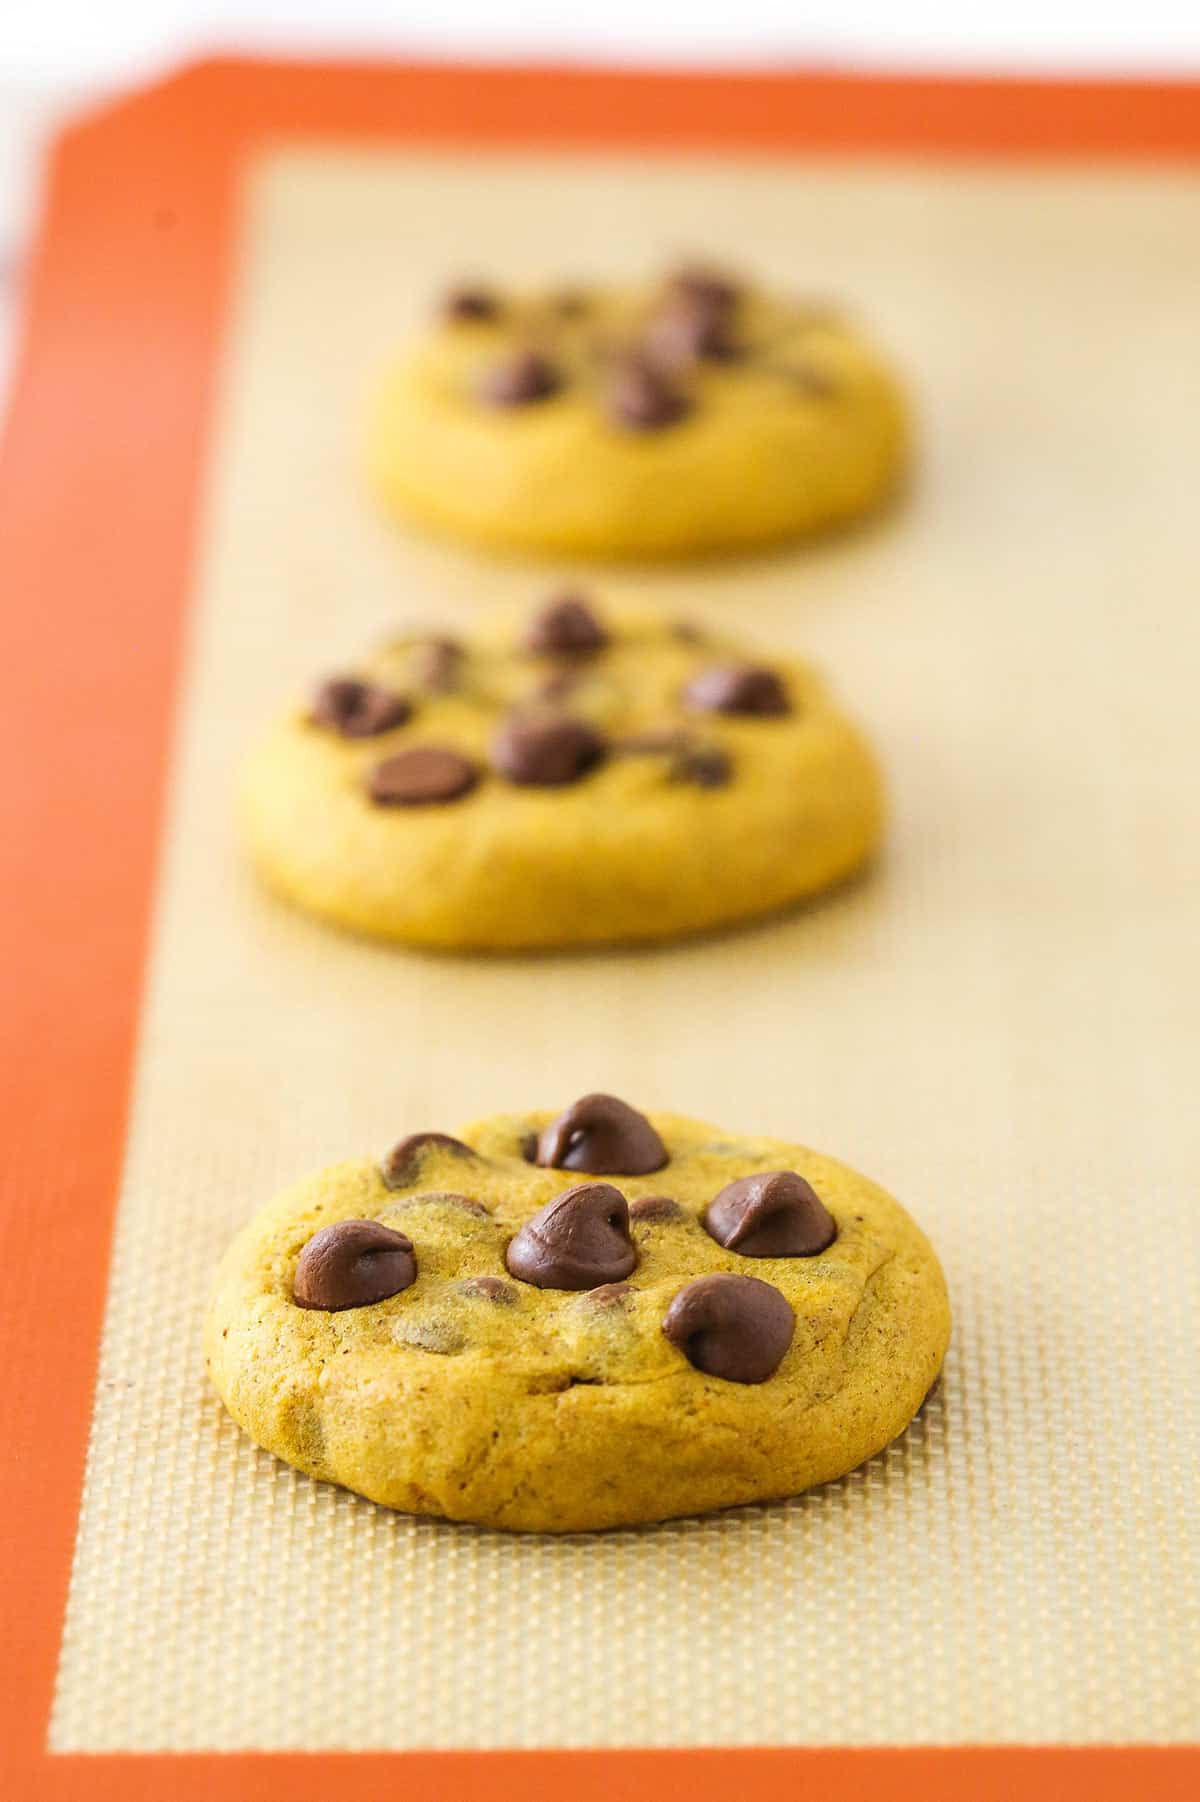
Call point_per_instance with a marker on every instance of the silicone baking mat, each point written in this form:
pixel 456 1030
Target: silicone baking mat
pixel 1001 1023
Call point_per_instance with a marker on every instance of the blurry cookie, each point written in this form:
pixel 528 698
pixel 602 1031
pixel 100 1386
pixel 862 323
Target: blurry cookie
pixel 559 1323
pixel 702 414
pixel 583 777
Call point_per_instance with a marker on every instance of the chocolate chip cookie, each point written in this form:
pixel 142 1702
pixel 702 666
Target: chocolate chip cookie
pixel 698 414
pixel 581 1320
pixel 583 776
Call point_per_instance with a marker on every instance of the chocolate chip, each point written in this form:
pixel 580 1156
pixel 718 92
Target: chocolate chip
pixel 469 302
pixel 641 398
pixel 437 664
pixel 525 377
pixel 357 709
pixel 577 1241
pixel 545 750
pixel 404 1160
pixel 655 1208
pixel 703 284
pixel 609 1295
pixel 565 627
pixel 737 688
pixel 773 1215
pixel 707 766
pixel 688 329
pixel 427 774
pixel 352 1265
pixel 603 1136
pixel 489 1288
pixel 731 1326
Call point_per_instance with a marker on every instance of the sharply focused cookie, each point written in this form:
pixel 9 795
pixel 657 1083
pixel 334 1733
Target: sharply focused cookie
pixel 583 778
pixel 699 414
pixel 576 1322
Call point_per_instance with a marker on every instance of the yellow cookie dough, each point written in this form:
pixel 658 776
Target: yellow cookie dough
pixel 796 425
pixel 740 815
pixel 546 1409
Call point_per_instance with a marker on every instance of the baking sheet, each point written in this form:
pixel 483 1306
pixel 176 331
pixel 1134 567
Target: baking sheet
pixel 1000 1025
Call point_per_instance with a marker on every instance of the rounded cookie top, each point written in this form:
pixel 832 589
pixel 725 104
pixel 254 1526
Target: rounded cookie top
pixel 582 775
pixel 579 1320
pixel 699 412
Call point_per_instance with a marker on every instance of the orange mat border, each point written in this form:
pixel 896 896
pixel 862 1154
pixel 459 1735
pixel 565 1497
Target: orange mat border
pixel 100 473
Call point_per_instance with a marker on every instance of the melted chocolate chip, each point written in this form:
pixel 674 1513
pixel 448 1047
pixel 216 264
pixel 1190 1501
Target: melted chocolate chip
pixel 734 1327
pixel 357 709
pixel 706 766
pixel 422 777
pixel 565 627
pixel 403 1161
pixel 437 664
pixel 738 688
pixel 545 750
pixel 521 379
pixel 577 1241
pixel 609 1295
pixel 469 302
pixel 489 1288
pixel 654 1208
pixel 774 1215
pixel 603 1136
pixel 641 397
pixel 352 1265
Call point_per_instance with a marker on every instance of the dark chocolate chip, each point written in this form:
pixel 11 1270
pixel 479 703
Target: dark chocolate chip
pixel 737 688
pixel 489 1288
pixel 577 1241
pixel 545 750
pixel 357 709
pixel 425 775
pixel 706 766
pixel 642 398
pixel 655 1208
pixel 469 302
pixel 687 329
pixel 352 1265
pixel 437 664
pixel 731 1326
pixel 609 1295
pixel 565 627
pixel 603 1136
pixel 403 1161
pixel 773 1215
pixel 521 379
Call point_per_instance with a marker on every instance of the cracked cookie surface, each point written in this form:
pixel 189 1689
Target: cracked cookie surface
pixel 583 775
pixel 693 415
pixel 477 1394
